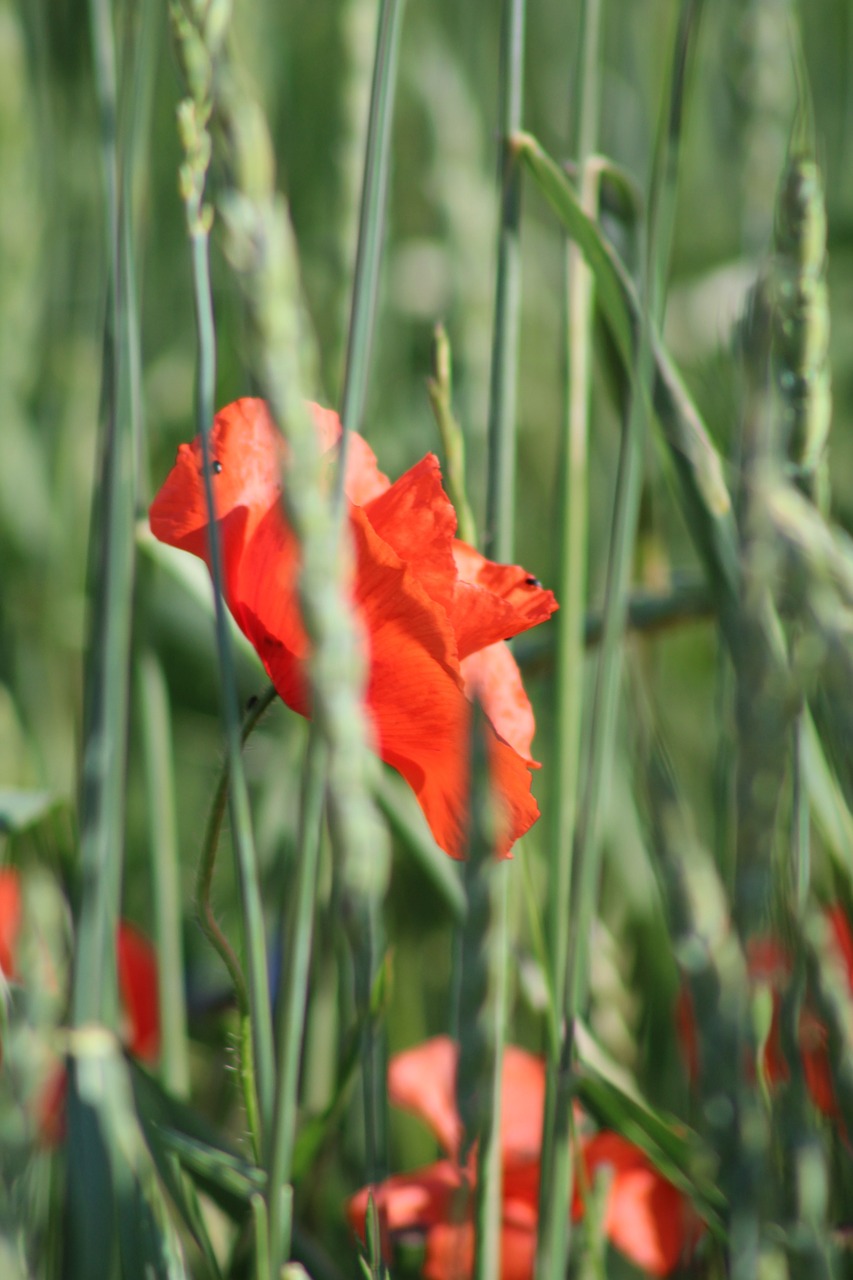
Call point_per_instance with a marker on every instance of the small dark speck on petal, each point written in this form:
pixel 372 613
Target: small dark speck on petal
pixel 530 581
pixel 216 466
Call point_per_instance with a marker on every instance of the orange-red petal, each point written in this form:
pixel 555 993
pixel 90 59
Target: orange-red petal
pixel 409 1201
pixel 423 1080
pixel 10 920
pixel 493 675
pixel 646 1218
pixel 494 601
pixel 450 1251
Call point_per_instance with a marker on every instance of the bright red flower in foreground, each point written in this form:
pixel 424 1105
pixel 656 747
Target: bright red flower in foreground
pixel 646 1217
pixel 434 611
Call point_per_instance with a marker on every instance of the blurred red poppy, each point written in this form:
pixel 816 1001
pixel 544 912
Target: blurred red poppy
pixel 645 1217
pixel 769 963
pixel 434 611
pixel 138 990
pixel 10 920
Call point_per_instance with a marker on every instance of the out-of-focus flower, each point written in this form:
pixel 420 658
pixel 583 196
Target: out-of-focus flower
pixel 645 1217
pixel 138 991
pixel 435 613
pixel 769 964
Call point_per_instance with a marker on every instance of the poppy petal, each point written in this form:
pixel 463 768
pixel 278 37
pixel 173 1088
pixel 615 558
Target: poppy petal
pixel 408 1201
pixel 647 1218
pixel 492 673
pixel 364 481
pixel 247 453
pixel 420 711
pixel 522 1105
pixel 137 979
pixel 494 601
pixel 422 1080
pixel 10 920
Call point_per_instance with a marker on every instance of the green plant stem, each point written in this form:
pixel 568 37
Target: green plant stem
pixel 94 996
pixel 500 494
pixel 371 225
pixel 207 859
pixel 555 1185
pixel 440 388
pixel 295 964
pixel 254 937
pixel 155 717
pixel 498 543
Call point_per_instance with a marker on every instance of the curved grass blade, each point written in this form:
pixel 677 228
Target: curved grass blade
pixel 705 498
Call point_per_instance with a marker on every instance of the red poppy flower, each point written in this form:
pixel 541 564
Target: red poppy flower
pixel 769 963
pixel 434 611
pixel 138 990
pixel 646 1217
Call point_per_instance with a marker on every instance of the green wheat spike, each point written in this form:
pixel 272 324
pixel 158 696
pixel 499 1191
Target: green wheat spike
pixel 801 321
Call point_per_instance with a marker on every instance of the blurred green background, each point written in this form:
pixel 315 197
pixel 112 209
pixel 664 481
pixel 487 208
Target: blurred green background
pixel 309 63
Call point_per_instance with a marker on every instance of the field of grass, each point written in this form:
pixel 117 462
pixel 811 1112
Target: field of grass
pixel 255 1019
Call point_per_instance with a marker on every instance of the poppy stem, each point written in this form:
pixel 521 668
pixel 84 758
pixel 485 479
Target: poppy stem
pixel 207 861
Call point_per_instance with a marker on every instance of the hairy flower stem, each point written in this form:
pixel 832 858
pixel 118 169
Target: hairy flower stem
pixel 210 926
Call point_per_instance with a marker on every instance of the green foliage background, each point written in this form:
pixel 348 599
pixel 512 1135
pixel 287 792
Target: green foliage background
pixel 309 64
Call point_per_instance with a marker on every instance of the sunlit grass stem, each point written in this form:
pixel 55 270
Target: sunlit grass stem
pixel 555 1185
pixel 500 517
pixel 371 224
pixel 156 723
pixel 254 934
pixel 111 570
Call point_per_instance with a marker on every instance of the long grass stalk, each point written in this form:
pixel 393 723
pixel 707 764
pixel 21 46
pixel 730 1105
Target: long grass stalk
pixel 365 921
pixel 603 713
pixel 500 527
pixel 571 592
pixel 261 247
pixel 296 960
pixel 95 1098
pixel 500 494
pixel 481 972
pixel 371 224
pixel 156 722
pixel 251 906
pixel 111 570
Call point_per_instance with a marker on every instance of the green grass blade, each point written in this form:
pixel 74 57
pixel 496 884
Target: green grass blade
pixel 112 569
pixel 295 960
pixel 481 1015
pixel 704 496
pixel 371 224
pixel 199 48
pixel 555 1185
pixel 156 721
pixel 500 494
pixel 498 543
